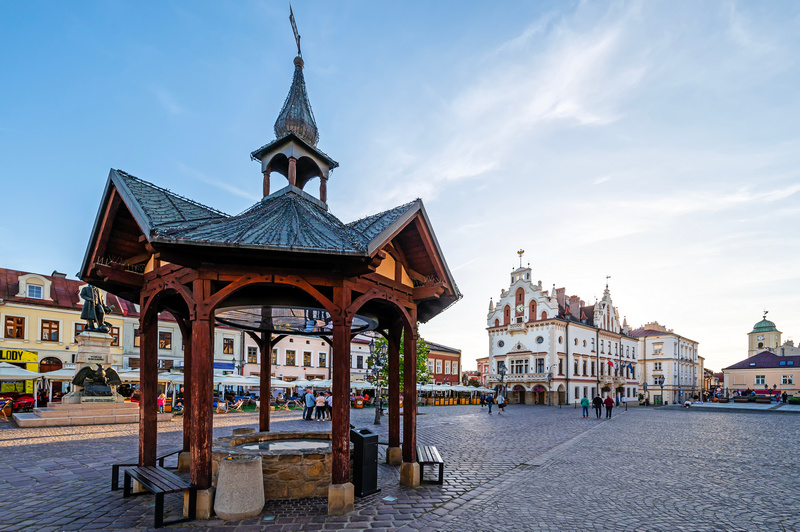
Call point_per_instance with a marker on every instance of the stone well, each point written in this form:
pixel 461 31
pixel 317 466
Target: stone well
pixel 288 473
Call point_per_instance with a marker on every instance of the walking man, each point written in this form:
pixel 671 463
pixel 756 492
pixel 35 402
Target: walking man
pixel 609 402
pixel 490 402
pixel 585 407
pixel 597 403
pixel 309 402
pixel 625 402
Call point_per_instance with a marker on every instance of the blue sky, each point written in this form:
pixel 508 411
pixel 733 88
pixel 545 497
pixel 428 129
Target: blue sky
pixel 655 142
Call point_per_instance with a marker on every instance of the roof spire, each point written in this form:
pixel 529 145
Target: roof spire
pixel 296 115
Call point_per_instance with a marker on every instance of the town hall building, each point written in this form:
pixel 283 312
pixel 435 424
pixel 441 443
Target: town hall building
pixel 550 348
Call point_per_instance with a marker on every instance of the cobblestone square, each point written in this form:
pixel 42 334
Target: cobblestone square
pixel 534 468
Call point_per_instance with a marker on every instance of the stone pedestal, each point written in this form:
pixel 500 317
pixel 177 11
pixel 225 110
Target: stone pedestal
pixel 394 456
pixel 240 488
pixel 409 474
pixel 184 461
pixel 93 348
pixel 205 504
pixel 341 498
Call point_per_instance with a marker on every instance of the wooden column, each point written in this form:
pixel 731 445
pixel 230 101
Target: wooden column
pixel 201 389
pixel 265 383
pixel 323 189
pixel 148 388
pixel 393 354
pixel 410 394
pixel 292 177
pixel 266 182
pixel 186 333
pixel 340 430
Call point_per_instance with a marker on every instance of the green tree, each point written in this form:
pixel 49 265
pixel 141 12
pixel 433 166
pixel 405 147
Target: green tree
pixel 423 376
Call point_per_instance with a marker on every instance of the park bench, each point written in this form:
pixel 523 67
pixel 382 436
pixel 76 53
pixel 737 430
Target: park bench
pixel 160 482
pixel 134 462
pixel 429 455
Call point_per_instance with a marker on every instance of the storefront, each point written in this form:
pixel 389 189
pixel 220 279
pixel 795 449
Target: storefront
pixel 24 359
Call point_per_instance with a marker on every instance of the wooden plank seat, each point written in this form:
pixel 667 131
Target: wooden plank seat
pixel 134 462
pixel 429 455
pixel 160 482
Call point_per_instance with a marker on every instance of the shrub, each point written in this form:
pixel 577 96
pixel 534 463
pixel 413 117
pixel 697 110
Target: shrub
pixel 793 400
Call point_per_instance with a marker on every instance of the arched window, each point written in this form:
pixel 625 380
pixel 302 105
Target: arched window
pixel 497 322
pixel 544 314
pixel 532 312
pixel 520 296
pixel 506 315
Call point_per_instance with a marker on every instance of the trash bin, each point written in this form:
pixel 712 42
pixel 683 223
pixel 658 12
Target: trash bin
pixel 365 461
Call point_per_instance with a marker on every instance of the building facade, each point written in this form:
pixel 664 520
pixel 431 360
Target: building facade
pixel 670 364
pixel 774 368
pixel 444 364
pixel 554 349
pixel 483 369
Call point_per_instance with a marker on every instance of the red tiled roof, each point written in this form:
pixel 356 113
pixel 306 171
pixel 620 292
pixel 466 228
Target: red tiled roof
pixel 63 292
pixel 767 359
pixel 647 332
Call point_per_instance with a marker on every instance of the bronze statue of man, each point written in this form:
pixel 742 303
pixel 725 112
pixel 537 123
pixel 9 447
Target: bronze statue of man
pixel 94 309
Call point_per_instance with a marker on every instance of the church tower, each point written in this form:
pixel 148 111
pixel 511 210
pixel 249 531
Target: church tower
pixel 764 336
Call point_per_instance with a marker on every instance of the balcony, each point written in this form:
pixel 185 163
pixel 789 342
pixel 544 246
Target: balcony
pixel 513 327
pixel 519 377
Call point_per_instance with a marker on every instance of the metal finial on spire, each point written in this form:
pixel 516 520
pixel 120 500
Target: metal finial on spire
pixel 294 29
pixel 521 252
pixel 765 313
pixel 607 278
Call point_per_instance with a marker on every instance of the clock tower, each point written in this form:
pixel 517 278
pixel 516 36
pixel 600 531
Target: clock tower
pixel 764 336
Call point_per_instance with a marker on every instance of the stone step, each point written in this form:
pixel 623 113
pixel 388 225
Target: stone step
pixel 78 412
pixel 91 405
pixel 28 420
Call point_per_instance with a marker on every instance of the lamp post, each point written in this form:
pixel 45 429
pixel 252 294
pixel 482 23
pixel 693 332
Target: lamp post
pixel 377 359
pixel 550 369
pixel 661 383
pixel 501 369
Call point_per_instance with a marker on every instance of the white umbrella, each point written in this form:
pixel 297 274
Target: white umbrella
pixel 59 375
pixel 279 383
pixel 360 385
pixel 133 376
pixel 10 372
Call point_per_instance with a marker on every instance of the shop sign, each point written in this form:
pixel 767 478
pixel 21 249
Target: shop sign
pixel 18 355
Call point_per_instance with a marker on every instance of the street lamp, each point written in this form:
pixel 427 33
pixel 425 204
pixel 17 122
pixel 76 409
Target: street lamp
pixel 661 383
pixel 501 369
pixel 377 359
pixel 550 369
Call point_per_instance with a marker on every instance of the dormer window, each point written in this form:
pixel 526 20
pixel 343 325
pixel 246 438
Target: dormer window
pixel 35 291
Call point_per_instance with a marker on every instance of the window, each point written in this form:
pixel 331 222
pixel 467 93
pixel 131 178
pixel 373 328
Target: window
pixel 323 360
pixel 602 346
pixel 447 367
pixel 252 354
pixel 164 340
pixel 115 336
pixel 307 359
pixel 430 366
pixel 577 392
pixel 49 331
pixel 658 348
pixel 35 291
pixel 455 368
pixel 787 379
pixel 227 346
pixel 560 366
pixel 761 379
pixel 438 366
pixel 657 366
pixel 584 368
pixel 274 357
pixel 576 368
pixel 359 362
pixel 290 357
pixel 137 336
pixel 658 381
pixel 593 369
pixel 15 327
pixel 539 340
pixel 539 365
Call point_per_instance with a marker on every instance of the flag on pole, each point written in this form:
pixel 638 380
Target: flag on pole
pixel 611 363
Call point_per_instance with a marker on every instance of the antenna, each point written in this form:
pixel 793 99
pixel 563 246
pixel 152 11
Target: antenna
pixel 294 30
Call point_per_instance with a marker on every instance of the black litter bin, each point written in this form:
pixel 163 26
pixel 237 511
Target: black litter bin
pixel 365 461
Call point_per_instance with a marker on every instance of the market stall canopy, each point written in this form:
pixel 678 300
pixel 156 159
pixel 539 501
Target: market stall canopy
pixel 361 385
pixel 10 372
pixel 237 380
pixel 133 376
pixel 59 375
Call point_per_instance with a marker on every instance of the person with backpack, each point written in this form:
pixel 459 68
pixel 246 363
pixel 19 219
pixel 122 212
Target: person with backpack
pixel 501 404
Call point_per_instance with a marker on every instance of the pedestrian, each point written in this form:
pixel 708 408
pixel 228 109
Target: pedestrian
pixel 597 403
pixel 617 399
pixel 585 407
pixel 309 402
pixel 483 400
pixel 501 404
pixel 489 403
pixel 609 402
pixel 329 404
pixel 162 400
pixel 625 402
pixel 784 397
pixel 319 404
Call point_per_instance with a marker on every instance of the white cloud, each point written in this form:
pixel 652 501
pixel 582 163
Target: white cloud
pixel 168 101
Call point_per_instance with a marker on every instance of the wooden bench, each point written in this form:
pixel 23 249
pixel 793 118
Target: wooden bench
pixel 134 462
pixel 429 455
pixel 160 482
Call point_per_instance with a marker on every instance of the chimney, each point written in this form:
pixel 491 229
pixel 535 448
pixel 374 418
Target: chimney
pixel 58 274
pixel 560 297
pixel 575 305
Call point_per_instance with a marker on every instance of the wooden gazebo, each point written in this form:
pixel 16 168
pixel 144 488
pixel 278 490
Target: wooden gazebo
pixel 286 264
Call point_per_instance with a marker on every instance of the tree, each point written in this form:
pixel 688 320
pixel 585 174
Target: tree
pixel 423 376
pixel 474 382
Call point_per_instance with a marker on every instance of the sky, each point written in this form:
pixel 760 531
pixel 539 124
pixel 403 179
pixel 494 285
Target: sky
pixel 653 142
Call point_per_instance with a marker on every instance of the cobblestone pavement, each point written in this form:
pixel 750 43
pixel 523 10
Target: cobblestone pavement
pixel 534 468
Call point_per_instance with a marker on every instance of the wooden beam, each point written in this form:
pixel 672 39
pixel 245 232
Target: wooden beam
pixel 118 274
pixel 202 375
pixel 105 225
pixel 340 430
pixel 148 387
pixel 410 393
pixel 432 291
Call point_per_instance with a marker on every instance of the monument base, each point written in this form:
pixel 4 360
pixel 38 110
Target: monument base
pixel 61 415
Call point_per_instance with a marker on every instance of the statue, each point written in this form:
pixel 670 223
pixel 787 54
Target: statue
pixel 94 310
pixel 97 382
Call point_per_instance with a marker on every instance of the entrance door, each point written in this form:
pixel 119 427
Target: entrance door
pixel 51 364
